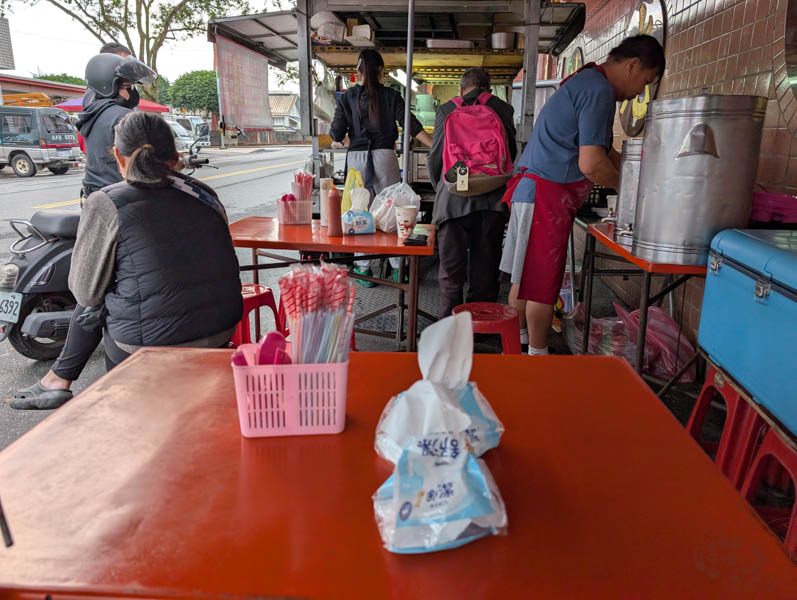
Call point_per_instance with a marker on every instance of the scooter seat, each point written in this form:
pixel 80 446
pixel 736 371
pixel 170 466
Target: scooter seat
pixel 57 222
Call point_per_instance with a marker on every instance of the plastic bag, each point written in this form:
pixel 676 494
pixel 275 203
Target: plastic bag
pixel 358 219
pixel 444 401
pixel 353 180
pixel 386 201
pixel 669 352
pixel 607 336
pixel 438 497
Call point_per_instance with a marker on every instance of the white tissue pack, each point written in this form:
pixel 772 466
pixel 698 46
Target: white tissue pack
pixel 358 219
pixel 439 497
pixel 444 401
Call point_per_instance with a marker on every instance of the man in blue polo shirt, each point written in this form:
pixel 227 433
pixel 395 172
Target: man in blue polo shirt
pixel 569 151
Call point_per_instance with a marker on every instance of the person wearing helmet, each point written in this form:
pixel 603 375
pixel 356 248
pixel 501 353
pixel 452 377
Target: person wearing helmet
pixel 111 78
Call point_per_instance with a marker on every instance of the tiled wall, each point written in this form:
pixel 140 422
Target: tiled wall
pixel 723 47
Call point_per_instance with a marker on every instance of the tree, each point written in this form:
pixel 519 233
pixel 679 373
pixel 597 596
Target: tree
pixel 164 90
pixel 62 78
pixel 196 91
pixel 145 26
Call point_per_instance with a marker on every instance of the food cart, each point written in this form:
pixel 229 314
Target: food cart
pixel 433 40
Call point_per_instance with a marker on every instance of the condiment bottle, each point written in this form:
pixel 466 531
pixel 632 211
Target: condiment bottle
pixel 334 228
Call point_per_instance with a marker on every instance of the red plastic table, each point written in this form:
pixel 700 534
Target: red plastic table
pixel 143 486
pixel 604 233
pixel 261 233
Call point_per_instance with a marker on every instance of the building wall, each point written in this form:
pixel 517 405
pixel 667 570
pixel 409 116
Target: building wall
pixel 723 47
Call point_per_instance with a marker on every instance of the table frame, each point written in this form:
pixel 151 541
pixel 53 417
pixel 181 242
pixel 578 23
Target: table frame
pixel 407 293
pixel 604 233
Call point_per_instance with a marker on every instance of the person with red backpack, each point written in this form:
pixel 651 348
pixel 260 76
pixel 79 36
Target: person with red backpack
pixel 473 149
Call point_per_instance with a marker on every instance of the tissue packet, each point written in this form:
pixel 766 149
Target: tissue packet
pixel 439 497
pixel 354 222
pixel 358 219
pixel 429 408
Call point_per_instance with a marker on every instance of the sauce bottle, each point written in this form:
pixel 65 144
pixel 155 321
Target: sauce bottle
pixel 334 227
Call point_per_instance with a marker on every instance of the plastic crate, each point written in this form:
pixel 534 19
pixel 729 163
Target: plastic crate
pixel 303 399
pixel 295 212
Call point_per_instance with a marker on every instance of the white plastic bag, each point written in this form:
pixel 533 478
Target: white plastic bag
pixel 444 401
pixel 438 497
pixel 384 205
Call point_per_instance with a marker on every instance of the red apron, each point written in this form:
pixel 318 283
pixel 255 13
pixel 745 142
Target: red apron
pixel 555 207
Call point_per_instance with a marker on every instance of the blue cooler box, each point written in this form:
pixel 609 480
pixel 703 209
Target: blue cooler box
pixel 748 324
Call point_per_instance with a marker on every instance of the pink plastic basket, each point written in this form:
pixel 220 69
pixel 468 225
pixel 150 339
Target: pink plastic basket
pixel 301 399
pixel 295 212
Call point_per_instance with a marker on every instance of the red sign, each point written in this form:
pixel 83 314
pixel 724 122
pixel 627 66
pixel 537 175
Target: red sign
pixel 243 83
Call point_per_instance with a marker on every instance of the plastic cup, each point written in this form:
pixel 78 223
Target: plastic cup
pixel 406 216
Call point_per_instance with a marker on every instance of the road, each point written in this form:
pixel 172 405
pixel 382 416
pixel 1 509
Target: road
pixel 248 183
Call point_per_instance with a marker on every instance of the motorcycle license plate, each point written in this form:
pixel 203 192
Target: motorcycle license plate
pixel 10 303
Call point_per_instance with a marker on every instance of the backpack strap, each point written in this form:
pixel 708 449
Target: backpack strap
pixel 484 97
pixel 458 101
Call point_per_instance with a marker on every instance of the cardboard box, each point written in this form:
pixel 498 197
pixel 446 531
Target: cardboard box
pixel 350 24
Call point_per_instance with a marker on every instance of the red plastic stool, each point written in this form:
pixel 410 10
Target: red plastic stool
pixel 782 521
pixel 255 296
pixel 491 317
pixel 740 433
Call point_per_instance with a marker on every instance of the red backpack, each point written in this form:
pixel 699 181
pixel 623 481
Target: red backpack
pixel 474 135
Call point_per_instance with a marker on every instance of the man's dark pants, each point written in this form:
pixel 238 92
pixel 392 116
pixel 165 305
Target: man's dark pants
pixel 480 233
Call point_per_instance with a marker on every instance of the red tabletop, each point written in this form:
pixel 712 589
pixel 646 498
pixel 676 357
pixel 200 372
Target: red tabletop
pixel 604 233
pixel 143 485
pixel 267 232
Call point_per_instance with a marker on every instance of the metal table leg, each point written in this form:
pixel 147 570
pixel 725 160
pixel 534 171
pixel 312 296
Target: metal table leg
pixel 586 270
pixel 256 280
pixel 643 321
pixel 400 303
pixel 412 305
pixel 573 288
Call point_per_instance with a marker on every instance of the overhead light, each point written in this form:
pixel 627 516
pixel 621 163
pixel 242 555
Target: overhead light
pixel 400 76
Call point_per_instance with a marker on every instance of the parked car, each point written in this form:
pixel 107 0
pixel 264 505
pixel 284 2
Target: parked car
pixel 182 138
pixel 192 124
pixel 36 138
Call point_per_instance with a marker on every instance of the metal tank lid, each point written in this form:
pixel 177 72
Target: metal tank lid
pixel 718 105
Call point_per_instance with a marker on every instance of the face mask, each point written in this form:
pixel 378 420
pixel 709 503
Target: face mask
pixel 132 102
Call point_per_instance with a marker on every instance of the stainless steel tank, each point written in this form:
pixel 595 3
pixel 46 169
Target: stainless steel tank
pixel 700 157
pixel 627 193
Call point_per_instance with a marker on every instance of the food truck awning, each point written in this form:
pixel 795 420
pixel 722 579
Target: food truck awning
pixel 275 35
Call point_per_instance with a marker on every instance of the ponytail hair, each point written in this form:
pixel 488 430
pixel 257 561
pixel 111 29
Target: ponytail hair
pixel 147 141
pixel 368 65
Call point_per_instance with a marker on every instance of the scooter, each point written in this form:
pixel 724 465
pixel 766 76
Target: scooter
pixel 35 302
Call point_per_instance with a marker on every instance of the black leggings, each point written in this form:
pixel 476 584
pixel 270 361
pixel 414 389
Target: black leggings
pixel 80 345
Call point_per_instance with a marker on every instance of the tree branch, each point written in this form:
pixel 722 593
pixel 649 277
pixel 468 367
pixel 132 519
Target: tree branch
pixel 78 19
pixel 165 27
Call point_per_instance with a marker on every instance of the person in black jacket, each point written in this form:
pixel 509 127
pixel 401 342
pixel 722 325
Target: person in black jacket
pixel 472 224
pixel 367 113
pixel 110 83
pixel 135 255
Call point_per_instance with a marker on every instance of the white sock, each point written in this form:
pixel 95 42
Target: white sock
pixel 538 351
pixel 524 335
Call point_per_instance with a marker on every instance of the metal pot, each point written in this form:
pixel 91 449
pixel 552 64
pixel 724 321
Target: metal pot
pixel 502 41
pixel 627 193
pixel 697 175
